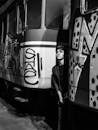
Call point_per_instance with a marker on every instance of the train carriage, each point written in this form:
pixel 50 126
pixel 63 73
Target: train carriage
pixel 29 33
pixel 83 55
pixel 83 64
pixel 28 39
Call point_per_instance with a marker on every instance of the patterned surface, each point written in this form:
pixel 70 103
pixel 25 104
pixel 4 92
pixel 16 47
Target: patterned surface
pixel 84 44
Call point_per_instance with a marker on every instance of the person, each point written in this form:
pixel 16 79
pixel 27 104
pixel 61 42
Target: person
pixel 58 82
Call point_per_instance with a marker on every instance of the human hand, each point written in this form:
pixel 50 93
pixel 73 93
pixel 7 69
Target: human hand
pixel 60 97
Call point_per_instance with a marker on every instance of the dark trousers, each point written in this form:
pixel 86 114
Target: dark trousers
pixel 63 116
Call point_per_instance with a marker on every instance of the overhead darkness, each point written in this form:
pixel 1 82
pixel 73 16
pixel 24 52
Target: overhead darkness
pixel 2 2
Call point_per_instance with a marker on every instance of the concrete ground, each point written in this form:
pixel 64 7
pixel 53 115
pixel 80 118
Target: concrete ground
pixel 11 120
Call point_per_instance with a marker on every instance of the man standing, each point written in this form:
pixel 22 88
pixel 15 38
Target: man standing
pixel 59 84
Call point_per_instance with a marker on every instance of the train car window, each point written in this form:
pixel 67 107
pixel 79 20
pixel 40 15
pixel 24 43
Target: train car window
pixel 12 21
pixel 0 30
pixel 88 5
pixel 91 4
pixel 21 23
pixel 5 27
pixel 66 15
pixel 75 4
pixel 34 13
pixel 54 13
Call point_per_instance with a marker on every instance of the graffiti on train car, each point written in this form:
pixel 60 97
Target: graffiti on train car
pixel 30 71
pixel 83 43
pixel 36 63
